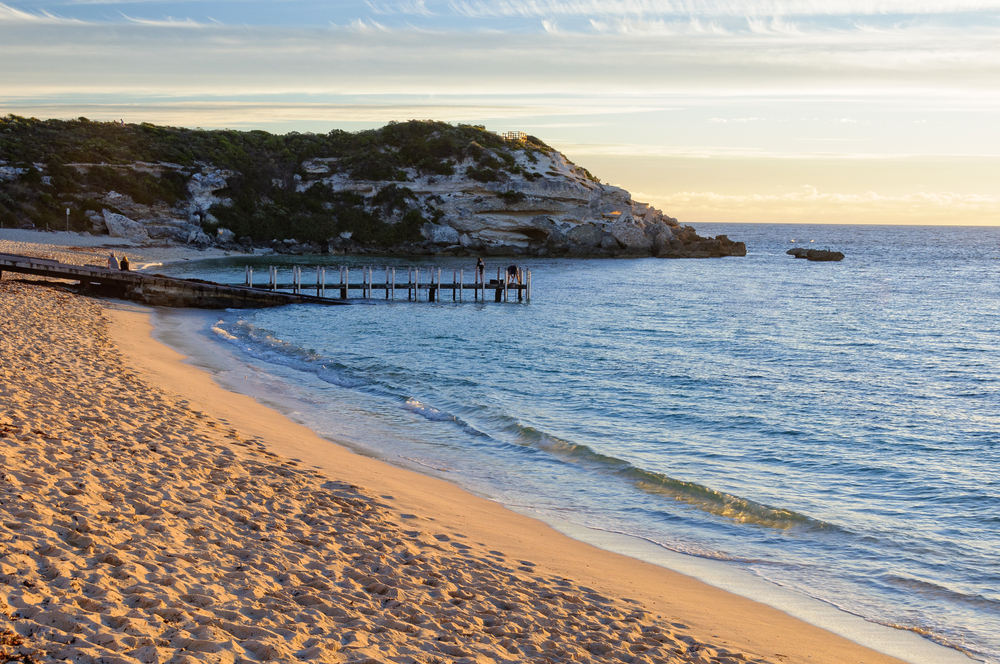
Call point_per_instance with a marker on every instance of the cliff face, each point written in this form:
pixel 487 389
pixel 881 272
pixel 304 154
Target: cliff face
pixel 417 188
pixel 550 208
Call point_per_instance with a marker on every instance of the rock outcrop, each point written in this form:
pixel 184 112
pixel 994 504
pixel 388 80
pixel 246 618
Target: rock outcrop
pixel 201 189
pixel 816 255
pixel 121 226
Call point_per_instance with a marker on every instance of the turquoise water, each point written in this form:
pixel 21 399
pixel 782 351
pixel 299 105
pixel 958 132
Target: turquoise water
pixel 831 427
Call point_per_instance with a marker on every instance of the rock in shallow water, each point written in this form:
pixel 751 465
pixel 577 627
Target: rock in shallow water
pixel 816 255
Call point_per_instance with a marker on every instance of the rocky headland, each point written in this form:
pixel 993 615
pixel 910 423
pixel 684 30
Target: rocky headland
pixel 417 188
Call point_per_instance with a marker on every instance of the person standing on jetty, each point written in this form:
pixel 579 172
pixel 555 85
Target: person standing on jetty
pixel 513 275
pixel 481 270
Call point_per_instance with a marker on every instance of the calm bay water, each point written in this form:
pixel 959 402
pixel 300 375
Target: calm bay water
pixel 831 427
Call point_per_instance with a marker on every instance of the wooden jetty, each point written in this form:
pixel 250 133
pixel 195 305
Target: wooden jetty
pixel 160 290
pixel 505 288
pixel 154 289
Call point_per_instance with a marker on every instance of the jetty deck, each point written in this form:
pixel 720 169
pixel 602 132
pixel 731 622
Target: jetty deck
pixel 154 289
pixel 160 290
pixel 421 284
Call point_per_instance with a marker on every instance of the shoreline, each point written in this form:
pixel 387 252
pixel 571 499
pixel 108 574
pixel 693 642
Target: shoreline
pixel 185 334
pixel 708 611
pixel 710 616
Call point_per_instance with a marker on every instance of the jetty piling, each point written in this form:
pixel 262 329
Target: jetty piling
pixel 506 287
pixel 157 289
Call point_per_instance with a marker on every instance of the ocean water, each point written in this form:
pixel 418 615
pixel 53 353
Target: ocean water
pixel 833 428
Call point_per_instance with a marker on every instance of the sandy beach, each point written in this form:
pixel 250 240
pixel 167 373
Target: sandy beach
pixel 150 516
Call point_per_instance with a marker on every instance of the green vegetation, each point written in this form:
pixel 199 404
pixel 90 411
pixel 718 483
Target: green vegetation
pixel 81 161
pixel 511 196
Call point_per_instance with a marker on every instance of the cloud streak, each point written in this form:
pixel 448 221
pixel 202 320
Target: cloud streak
pixel 369 56
pixel 751 8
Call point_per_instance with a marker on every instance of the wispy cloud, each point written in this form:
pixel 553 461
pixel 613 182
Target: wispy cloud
pixel 775 25
pixel 412 8
pixel 657 26
pixel 10 14
pixel 752 8
pixel 366 27
pixel 168 22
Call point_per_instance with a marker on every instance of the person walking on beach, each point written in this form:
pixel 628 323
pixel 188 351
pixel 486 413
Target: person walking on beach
pixel 124 264
pixel 112 261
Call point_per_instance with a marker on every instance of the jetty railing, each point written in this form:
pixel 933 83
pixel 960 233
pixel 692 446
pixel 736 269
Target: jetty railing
pixel 506 287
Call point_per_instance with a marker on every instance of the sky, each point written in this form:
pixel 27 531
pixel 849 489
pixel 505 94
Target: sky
pixel 797 111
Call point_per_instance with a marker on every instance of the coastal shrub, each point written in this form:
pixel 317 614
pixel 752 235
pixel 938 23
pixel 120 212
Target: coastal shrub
pixel 376 166
pixel 265 204
pixel 511 196
pixel 43 218
pixel 489 161
pixel 9 219
pixel 538 144
pixel 444 167
pixel 31 175
pixel 392 198
pixel 317 214
pixel 21 192
pixel 482 174
pixel 143 188
pixel 474 150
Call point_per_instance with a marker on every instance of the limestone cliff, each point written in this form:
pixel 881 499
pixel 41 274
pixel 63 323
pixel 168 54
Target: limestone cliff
pixel 550 208
pixel 416 187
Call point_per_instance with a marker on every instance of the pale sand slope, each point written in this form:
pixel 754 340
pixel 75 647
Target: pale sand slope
pixel 142 525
